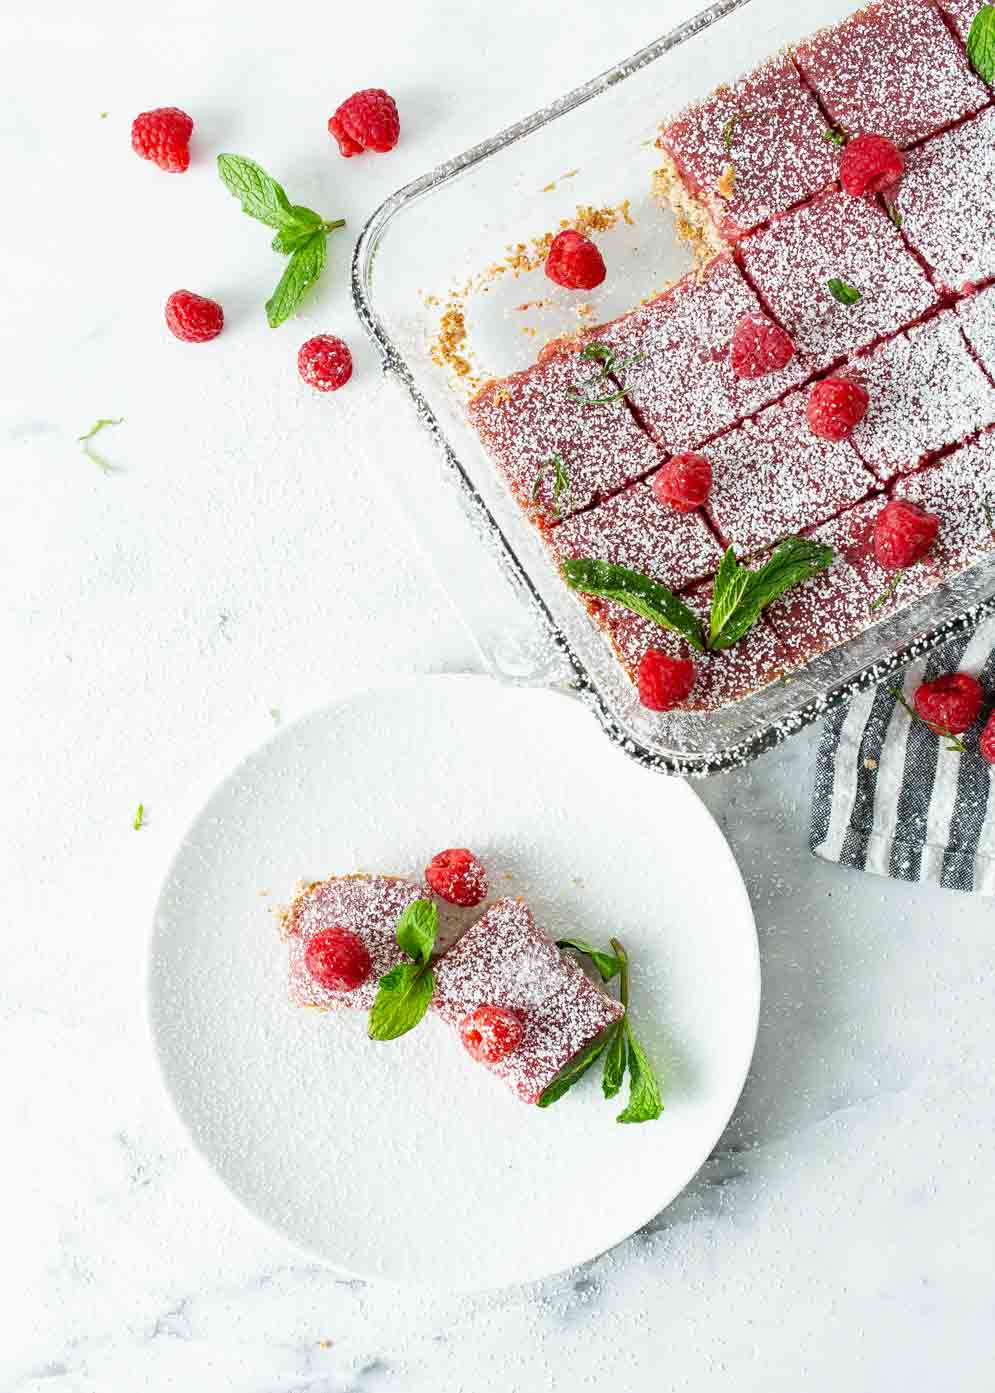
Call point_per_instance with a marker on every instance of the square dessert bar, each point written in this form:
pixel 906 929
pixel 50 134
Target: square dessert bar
pixel 770 131
pixel 772 477
pixel 506 960
pixel 961 15
pixel 852 239
pixel 961 489
pixel 528 418
pixel 370 907
pixel 892 69
pixel 977 319
pixel 926 391
pixel 684 390
pixel 945 199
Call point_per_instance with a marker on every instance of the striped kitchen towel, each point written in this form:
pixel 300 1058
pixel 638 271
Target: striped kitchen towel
pixel 890 798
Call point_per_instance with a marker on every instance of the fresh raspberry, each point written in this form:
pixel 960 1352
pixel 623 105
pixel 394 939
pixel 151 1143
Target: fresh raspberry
pixel 986 744
pixel 664 682
pixel 684 482
pixel 903 534
pixel 367 120
pixel 163 136
pixel 457 876
pixel 325 363
pixel 835 406
pixel 871 164
pixel 194 318
pixel 574 261
pixel 490 1033
pixel 337 959
pixel 950 704
pixel 760 346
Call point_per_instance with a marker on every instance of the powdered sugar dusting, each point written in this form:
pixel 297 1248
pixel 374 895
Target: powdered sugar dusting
pixel 852 239
pixel 926 392
pixel 506 960
pixel 961 14
pixel 368 905
pixel 961 489
pixel 946 203
pixel 977 319
pixel 894 69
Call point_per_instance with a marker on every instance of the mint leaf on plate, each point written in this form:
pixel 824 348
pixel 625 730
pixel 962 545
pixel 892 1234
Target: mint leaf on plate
pixel 645 1103
pixel 981 43
pixel 261 196
pixel 614 1070
pixel 607 964
pixel 740 594
pixel 575 1069
pixel 402 1001
pixel 645 597
pixel 844 293
pixel 416 930
pixel 303 269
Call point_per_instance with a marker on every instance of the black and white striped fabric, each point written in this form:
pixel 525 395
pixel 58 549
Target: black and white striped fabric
pixel 889 798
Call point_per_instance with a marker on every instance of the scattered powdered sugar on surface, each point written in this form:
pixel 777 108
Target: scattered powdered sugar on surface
pixel 636 530
pixel 368 905
pixel 770 130
pixel 852 239
pixel 893 69
pixel 977 319
pixel 961 14
pixel 527 418
pixel 945 199
pixel 961 489
pixel 506 960
pixel 926 392
pixel 684 389
pixel 772 476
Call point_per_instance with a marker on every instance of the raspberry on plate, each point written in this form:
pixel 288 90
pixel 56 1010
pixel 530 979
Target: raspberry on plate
pixel 337 959
pixel 946 203
pixel 490 1033
pixel 950 704
pixel 926 392
pixel 871 164
pixel 770 130
pixel 835 406
pixel 506 961
pixel 759 347
pixel 574 261
pixel 367 120
pixel 894 68
pixel 193 318
pixel 325 363
pixel 843 238
pixel 163 136
pixel 904 533
pixel 457 877
pixel 684 482
pixel 664 682
pixel 367 908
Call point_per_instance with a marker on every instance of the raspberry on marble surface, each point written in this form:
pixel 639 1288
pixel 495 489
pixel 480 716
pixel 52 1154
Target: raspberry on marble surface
pixel 574 261
pixel 893 68
pixel 770 129
pixel 367 120
pixel 977 319
pixel 926 392
pixel 772 477
pixel 684 389
pixel 960 488
pixel 530 418
pixel 946 205
pixel 837 237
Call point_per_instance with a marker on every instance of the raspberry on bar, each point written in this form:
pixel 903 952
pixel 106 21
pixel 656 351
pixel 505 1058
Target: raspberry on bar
pixel 506 961
pixel 528 418
pixel 892 68
pixel 368 906
pixel 772 476
pixel 977 319
pixel 684 389
pixel 769 129
pixel 845 238
pixel 961 489
pixel 946 203
pixel 926 392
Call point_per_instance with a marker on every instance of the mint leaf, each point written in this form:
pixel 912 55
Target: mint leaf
pixel 95 429
pixel 981 43
pixel 139 817
pixel 305 266
pixel 836 135
pixel 728 130
pixel 736 604
pixel 260 195
pixel 401 1001
pixel 598 352
pixel 645 1103
pixel 636 592
pixel 607 963
pixel 844 293
pixel 416 930
pixel 561 483
pixel 614 1071
pixel 574 1069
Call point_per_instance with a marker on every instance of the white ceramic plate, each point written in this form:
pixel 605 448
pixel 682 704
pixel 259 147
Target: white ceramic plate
pixel 406 1161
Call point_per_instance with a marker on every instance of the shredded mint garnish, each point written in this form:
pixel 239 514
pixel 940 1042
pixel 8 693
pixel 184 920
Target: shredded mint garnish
pixel 95 429
pixel 561 483
pixel 728 130
pixel 604 354
pixel 845 293
pixel 405 992
pixel 981 43
pixel 894 214
pixel 139 817
pixel 836 135
pixel 886 594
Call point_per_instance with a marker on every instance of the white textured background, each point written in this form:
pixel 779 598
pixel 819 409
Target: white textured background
pixel 241 559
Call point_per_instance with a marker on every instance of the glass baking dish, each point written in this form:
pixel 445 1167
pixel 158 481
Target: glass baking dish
pixel 595 146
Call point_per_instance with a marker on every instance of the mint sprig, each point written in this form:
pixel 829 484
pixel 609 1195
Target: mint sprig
pixel 603 353
pixel 607 963
pixel 740 594
pixel 405 992
pixel 605 581
pixel 843 292
pixel 300 232
pixel 981 43
pixel 561 483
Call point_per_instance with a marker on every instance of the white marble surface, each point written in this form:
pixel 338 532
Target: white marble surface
pixel 840 1238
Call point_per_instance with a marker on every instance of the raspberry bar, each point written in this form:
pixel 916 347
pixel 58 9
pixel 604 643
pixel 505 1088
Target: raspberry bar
pixel 769 131
pixel 946 204
pixel 772 476
pixel 369 907
pixel 527 419
pixel 837 237
pixel 894 69
pixel 977 319
pixel 961 14
pixel 505 960
pixel 926 392
pixel 961 489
